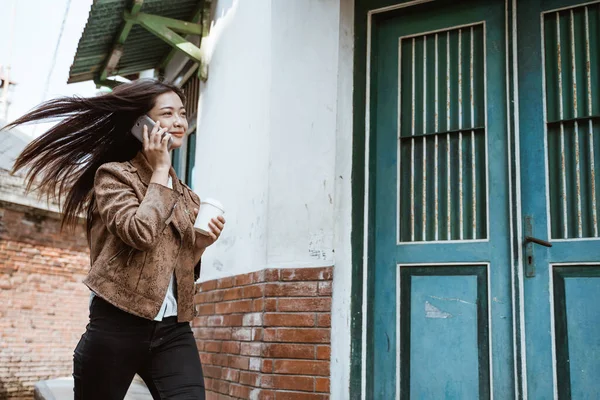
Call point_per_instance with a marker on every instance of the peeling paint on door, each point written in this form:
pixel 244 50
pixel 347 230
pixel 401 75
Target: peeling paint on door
pixel 432 311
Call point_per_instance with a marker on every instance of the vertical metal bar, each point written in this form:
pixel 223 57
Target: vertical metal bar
pixel 448 174
pixel 412 150
pixel 563 167
pixel 460 140
pixel 424 138
pixel 473 166
pixel 590 124
pixel 436 129
pixel 576 125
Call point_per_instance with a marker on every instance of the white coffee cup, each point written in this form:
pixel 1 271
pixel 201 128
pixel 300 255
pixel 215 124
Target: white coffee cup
pixel 209 209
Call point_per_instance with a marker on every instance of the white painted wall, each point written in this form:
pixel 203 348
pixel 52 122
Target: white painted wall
pixel 232 152
pixel 303 119
pixel 267 133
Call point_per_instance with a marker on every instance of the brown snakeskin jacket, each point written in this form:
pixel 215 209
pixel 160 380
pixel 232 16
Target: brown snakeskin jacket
pixel 141 232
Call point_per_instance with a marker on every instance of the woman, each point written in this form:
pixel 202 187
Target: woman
pixel 145 253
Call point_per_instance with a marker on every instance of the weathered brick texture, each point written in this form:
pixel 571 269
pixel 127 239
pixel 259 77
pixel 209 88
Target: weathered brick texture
pixel 266 335
pixel 43 304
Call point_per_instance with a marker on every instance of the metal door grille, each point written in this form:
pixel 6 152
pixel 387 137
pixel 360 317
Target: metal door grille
pixel 572 73
pixel 442 136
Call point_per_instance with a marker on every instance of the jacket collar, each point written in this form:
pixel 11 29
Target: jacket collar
pixel 144 170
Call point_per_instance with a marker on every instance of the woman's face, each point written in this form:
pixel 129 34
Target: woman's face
pixel 169 111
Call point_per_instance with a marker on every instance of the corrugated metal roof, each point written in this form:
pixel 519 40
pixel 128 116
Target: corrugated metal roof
pixel 142 50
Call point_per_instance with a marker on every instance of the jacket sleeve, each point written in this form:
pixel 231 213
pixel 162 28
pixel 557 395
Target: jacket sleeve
pixel 136 223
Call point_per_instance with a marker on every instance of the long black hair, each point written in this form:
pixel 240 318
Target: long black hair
pixel 62 162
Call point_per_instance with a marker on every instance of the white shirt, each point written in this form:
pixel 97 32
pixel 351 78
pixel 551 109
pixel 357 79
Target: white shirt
pixel 169 305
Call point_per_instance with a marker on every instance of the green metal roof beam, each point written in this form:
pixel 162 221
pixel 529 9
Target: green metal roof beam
pixel 167 28
pixel 117 51
pixel 200 16
pixel 158 25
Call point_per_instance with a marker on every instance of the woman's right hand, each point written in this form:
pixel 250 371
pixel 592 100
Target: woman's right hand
pixel 156 147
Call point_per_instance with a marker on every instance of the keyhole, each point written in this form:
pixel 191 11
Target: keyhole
pixel 530 260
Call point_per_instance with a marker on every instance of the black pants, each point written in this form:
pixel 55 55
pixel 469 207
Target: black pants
pixel 117 345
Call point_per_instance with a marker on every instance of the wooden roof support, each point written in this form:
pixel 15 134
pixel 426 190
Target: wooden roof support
pixel 113 58
pixel 167 29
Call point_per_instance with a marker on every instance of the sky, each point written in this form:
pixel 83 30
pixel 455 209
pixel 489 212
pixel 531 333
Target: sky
pixel 37 26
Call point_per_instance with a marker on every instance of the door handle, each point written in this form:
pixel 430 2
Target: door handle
pixel 531 239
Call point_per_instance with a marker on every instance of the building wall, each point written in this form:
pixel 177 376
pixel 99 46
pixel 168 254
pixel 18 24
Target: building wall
pixel 232 158
pixel 43 304
pixel 267 133
pixel 304 47
pixel 265 335
pixel 275 145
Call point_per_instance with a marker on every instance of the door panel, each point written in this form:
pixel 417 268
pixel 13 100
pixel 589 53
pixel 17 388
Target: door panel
pixel 558 45
pixel 440 311
pixel 576 288
pixel 457 331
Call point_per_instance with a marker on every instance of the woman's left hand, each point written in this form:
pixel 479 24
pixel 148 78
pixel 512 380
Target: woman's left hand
pixel 216 226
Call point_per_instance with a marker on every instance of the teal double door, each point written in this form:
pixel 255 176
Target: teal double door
pixel 483 261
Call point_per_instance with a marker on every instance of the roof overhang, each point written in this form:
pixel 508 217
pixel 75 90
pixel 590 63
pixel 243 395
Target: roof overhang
pixel 125 37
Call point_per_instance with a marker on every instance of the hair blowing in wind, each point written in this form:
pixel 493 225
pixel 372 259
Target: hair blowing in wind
pixel 61 163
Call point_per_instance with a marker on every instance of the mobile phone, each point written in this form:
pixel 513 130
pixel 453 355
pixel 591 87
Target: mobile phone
pixel 138 128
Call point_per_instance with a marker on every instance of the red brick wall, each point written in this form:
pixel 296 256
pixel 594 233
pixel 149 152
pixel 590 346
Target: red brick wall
pixel 43 304
pixel 266 335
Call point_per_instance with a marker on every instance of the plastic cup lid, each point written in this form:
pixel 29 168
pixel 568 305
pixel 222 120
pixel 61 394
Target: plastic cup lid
pixel 214 202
